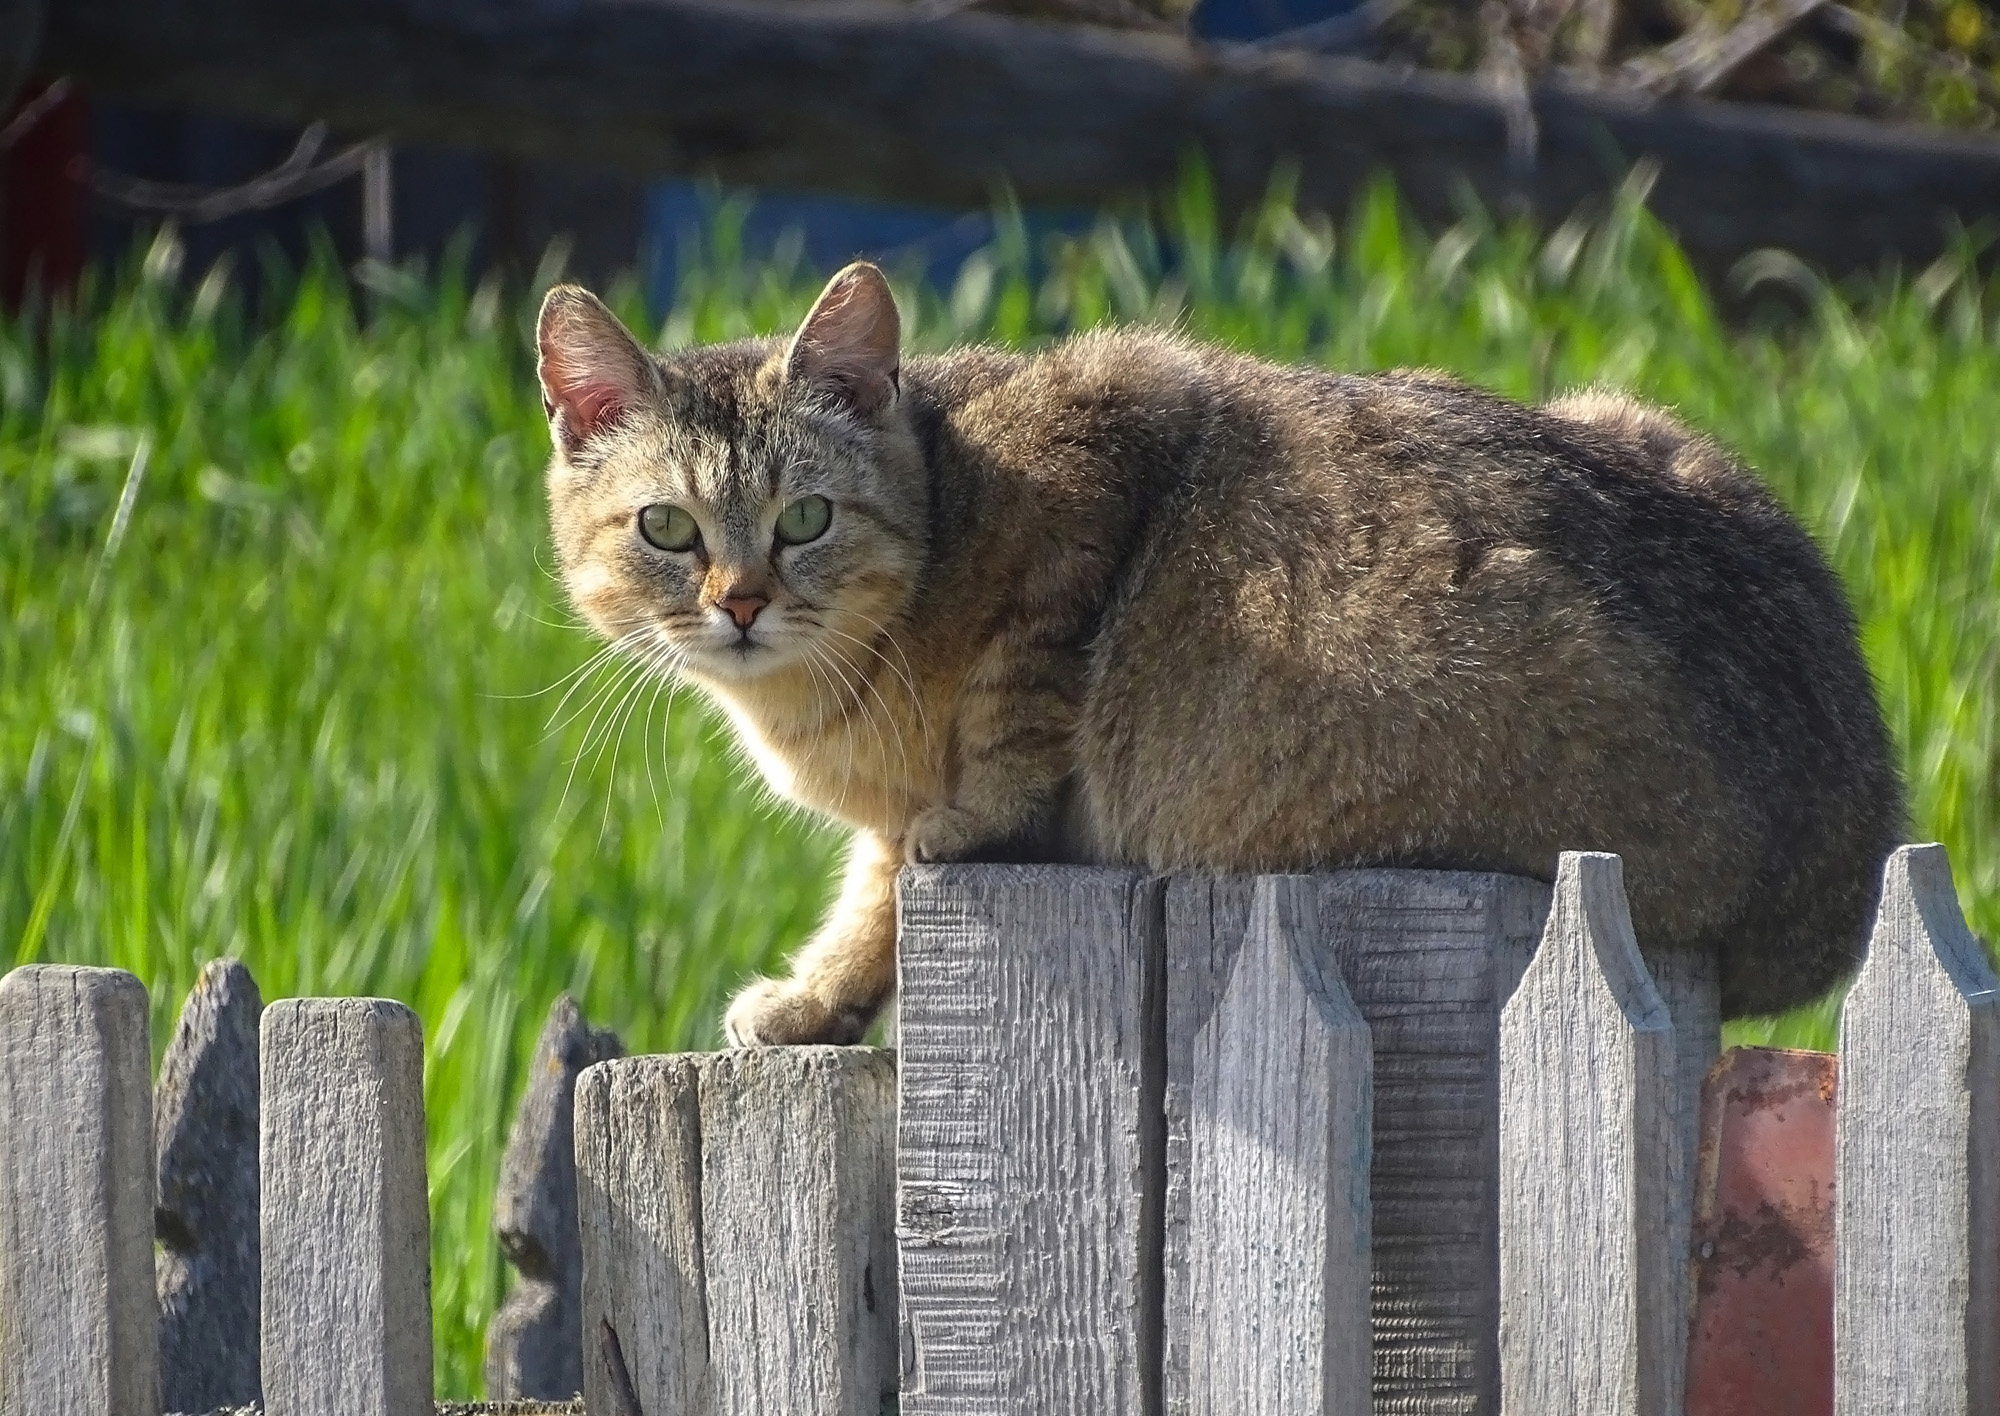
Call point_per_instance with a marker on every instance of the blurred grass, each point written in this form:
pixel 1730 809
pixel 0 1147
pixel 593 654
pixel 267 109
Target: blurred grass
pixel 296 704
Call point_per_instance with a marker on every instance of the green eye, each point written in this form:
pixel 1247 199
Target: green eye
pixel 804 520
pixel 668 527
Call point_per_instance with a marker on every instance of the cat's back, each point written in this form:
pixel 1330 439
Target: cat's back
pixel 1394 619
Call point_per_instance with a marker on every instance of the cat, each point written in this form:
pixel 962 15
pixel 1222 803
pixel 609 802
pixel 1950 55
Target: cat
pixel 1138 600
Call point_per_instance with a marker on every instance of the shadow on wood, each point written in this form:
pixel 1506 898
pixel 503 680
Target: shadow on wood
pixel 534 1343
pixel 205 1123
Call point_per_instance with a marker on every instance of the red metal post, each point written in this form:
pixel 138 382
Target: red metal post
pixel 1761 1338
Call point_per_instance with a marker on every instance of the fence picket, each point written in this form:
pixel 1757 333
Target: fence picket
pixel 1592 1321
pixel 638 1183
pixel 1690 984
pixel 534 1343
pixel 77 1327
pixel 205 1123
pixel 1917 1188
pixel 1267 1267
pixel 1428 957
pixel 1029 1140
pixel 798 1187
pixel 761 1212
pixel 346 1321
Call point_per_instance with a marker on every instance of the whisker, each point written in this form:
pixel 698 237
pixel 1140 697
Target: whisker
pixel 814 654
pixel 646 745
pixel 609 655
pixel 868 714
pixel 579 673
pixel 909 683
pixel 610 784
pixel 602 653
pixel 602 699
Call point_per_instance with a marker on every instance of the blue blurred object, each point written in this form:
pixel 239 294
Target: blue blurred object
pixel 830 231
pixel 1254 19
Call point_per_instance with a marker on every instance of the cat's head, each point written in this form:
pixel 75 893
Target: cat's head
pixel 739 509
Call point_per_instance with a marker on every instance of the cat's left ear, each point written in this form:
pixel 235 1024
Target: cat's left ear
pixel 850 344
pixel 593 371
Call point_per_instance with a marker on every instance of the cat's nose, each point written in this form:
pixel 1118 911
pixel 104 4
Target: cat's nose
pixel 743 607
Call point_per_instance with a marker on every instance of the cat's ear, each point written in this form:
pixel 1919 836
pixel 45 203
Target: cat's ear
pixel 850 344
pixel 593 371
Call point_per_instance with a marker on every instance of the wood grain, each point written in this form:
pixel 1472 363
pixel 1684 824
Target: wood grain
pixel 77 1331
pixel 1269 1099
pixel 1917 1144
pixel 346 1322
pixel 1592 1318
pixel 738 1229
pixel 798 1185
pixel 864 99
pixel 638 1174
pixel 1689 983
pixel 1029 1145
pixel 1428 957
pixel 205 1129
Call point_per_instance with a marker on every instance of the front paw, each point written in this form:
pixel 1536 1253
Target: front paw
pixel 943 834
pixel 779 1011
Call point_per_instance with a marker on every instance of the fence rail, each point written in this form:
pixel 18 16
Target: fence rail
pixel 1410 1142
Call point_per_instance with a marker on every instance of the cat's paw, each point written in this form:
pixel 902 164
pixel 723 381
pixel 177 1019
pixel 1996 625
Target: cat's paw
pixel 943 834
pixel 778 1011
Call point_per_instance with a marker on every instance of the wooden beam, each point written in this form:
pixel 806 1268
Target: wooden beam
pixel 1029 1149
pixel 863 98
pixel 77 1329
pixel 1592 1244
pixel 346 1310
pixel 1268 1115
pixel 1428 958
pixel 737 1213
pixel 1916 1287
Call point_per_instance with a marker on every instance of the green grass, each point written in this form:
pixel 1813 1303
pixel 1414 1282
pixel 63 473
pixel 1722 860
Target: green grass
pixel 296 706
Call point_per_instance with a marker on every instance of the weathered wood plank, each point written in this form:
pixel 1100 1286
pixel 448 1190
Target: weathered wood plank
pixel 1690 984
pixel 738 1230
pixel 865 99
pixel 1917 1143
pixel 1267 1266
pixel 77 1329
pixel 798 1204
pixel 205 1127
pixel 1032 1028
pixel 346 1320
pixel 638 1175
pixel 534 1343
pixel 1428 957
pixel 1592 1318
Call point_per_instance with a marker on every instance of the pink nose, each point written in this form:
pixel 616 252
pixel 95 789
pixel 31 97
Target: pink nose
pixel 743 608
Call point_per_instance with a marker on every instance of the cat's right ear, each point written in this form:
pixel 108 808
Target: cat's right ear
pixel 593 371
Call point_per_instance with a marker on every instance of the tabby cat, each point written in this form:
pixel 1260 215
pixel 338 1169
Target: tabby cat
pixel 1139 600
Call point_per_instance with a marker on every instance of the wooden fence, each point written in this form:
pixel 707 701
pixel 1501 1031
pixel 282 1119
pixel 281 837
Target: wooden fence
pixel 1409 1142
